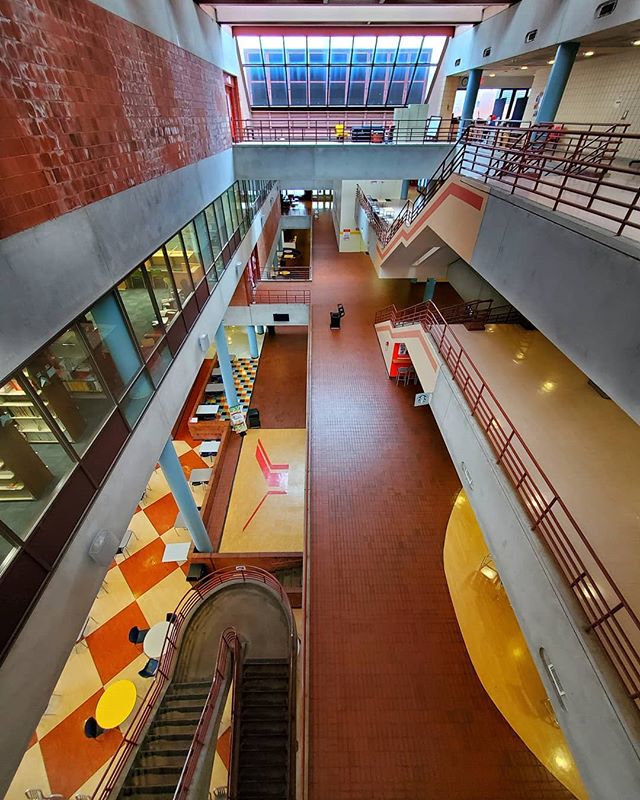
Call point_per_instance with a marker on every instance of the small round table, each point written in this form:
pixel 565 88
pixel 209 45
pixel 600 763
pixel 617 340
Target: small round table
pixel 154 640
pixel 284 272
pixel 115 705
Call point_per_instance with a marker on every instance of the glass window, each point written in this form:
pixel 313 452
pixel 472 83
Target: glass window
pixel 7 550
pixel 140 311
pixel 318 49
pixel 65 379
pixel 257 86
pixel 226 209
pixel 296 49
pixel 220 217
pixel 363 49
pixel 179 268
pixel 212 278
pixel 231 199
pixel 272 49
pixel 277 85
pixel 239 209
pixel 341 49
pixel 32 461
pixel 386 49
pixel 159 362
pixel 203 239
pixel 137 398
pixel 162 287
pixel 212 227
pixel 192 249
pixel 337 86
pixel 111 344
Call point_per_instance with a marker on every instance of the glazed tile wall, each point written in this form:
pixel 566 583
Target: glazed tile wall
pixel 91 105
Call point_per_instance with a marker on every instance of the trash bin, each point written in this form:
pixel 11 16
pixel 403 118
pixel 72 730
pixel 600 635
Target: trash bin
pixel 335 320
pixel 253 418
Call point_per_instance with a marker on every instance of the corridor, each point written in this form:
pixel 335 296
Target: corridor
pixel 396 711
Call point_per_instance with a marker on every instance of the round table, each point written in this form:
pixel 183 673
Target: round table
pixel 284 272
pixel 115 705
pixel 154 639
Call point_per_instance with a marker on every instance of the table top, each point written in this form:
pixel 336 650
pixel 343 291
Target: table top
pixel 207 410
pixel 211 446
pixel 178 551
pixel 115 705
pixel 284 272
pixel 155 637
pixel 199 475
pixel 214 388
pixel 216 372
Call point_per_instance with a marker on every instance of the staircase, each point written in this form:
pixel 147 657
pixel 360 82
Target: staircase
pixel 159 762
pixel 263 735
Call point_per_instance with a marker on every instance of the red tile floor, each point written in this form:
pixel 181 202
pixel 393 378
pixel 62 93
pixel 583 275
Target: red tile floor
pixel 396 710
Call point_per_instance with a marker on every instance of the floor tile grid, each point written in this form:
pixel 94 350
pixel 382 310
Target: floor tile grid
pixel 139 589
pixel 244 376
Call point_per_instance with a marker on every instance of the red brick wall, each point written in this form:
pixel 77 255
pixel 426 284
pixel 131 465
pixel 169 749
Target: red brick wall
pixel 91 105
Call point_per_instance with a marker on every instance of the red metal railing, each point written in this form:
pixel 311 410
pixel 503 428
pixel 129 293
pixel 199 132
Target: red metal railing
pixel 482 311
pixel 123 757
pixel 567 169
pixel 229 647
pixel 609 614
pixel 270 296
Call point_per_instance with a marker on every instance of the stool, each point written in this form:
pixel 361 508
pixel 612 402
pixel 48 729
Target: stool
pixel 196 573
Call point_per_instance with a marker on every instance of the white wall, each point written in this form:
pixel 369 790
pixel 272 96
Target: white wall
pixel 262 314
pixel 380 190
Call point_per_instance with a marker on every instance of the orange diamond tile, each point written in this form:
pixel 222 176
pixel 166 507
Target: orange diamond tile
pixel 191 460
pixel 145 567
pixel 162 513
pixel 110 647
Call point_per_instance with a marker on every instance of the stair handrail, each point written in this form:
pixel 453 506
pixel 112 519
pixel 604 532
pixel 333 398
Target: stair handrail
pixel 544 506
pixel 194 597
pixel 229 647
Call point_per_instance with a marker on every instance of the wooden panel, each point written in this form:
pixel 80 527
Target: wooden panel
pixel 19 586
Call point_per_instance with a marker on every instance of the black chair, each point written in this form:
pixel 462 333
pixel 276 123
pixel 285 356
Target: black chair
pixel 149 669
pixel 171 617
pixel 136 635
pixel 91 728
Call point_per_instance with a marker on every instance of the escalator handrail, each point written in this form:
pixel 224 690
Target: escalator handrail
pixel 121 761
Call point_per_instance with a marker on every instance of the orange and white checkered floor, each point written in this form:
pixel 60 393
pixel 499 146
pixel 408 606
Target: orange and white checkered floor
pixel 138 590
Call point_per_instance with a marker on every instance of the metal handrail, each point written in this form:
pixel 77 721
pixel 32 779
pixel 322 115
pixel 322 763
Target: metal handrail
pixel 609 614
pixel 270 296
pixel 121 760
pixel 568 168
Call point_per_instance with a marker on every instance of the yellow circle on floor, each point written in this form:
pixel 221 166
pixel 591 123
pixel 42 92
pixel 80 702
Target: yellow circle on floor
pixel 116 704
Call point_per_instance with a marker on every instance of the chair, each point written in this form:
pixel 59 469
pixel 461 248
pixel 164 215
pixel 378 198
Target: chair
pixel 402 376
pixel 171 617
pixel 91 728
pixel 136 635
pixel 38 794
pixel 488 570
pixel 149 669
pixel 122 549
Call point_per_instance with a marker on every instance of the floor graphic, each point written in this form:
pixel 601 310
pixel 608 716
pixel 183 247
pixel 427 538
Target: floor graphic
pixel 275 475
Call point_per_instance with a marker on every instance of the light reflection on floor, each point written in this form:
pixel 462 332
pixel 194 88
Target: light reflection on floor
pixel 498 649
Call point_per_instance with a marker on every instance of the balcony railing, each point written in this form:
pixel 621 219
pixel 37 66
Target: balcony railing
pixel 609 614
pixel 575 170
pixel 271 296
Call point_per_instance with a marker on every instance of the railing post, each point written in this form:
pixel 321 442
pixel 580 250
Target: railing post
pixel 475 405
pixel 544 514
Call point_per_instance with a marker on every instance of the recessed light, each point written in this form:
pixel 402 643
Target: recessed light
pixel 492 74
pixel 636 43
pixel 589 53
pixel 553 61
pixel 524 67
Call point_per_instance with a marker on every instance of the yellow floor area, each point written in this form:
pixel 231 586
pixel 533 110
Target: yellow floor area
pixel 498 649
pixel 266 510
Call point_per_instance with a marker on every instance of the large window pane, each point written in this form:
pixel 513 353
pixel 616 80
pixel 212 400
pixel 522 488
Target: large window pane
pixel 32 461
pixel 159 362
pixel 137 398
pixel 162 287
pixel 341 49
pixel 111 344
pixel 203 239
pixel 179 269
pixel 222 225
pixel 338 86
pixel 318 49
pixel 141 312
pixel 297 86
pixel 318 77
pixel 232 207
pixel 272 49
pixel 66 380
pixel 386 49
pixel 277 86
pixel 257 86
pixel 212 227
pixel 409 49
pixel 250 49
pixel 7 550
pixel 363 49
pixel 226 208
pixel 296 49
pixel 192 249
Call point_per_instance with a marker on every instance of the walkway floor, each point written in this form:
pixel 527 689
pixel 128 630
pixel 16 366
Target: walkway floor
pixel 280 390
pixel 396 710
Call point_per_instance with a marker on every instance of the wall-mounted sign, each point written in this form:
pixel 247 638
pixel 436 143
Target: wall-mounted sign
pixel 422 399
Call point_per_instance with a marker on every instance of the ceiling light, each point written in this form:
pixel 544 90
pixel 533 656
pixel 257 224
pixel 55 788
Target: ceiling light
pixel 524 67
pixel 553 61
pixel 492 74
pixel 589 53
pixel 636 43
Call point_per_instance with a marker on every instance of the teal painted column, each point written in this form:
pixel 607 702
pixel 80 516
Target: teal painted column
pixel 253 341
pixel 172 469
pixel 429 289
pixel 404 191
pixel 557 81
pixel 224 362
pixel 470 97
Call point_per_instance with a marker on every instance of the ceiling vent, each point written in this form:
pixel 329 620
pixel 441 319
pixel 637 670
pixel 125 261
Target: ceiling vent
pixel 531 36
pixel 604 9
pixel 486 52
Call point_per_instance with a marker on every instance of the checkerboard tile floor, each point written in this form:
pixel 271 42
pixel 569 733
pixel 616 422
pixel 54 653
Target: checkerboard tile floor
pixel 244 376
pixel 139 589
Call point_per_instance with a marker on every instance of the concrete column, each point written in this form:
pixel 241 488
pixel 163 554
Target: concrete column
pixel 429 289
pixel 470 97
pixel 404 191
pixel 172 469
pixel 558 77
pixel 114 332
pixel 224 362
pixel 253 341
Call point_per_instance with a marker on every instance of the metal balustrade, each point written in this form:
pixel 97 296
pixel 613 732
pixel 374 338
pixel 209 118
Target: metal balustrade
pixel 575 170
pixel 609 615
pixel 122 760
pixel 271 296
